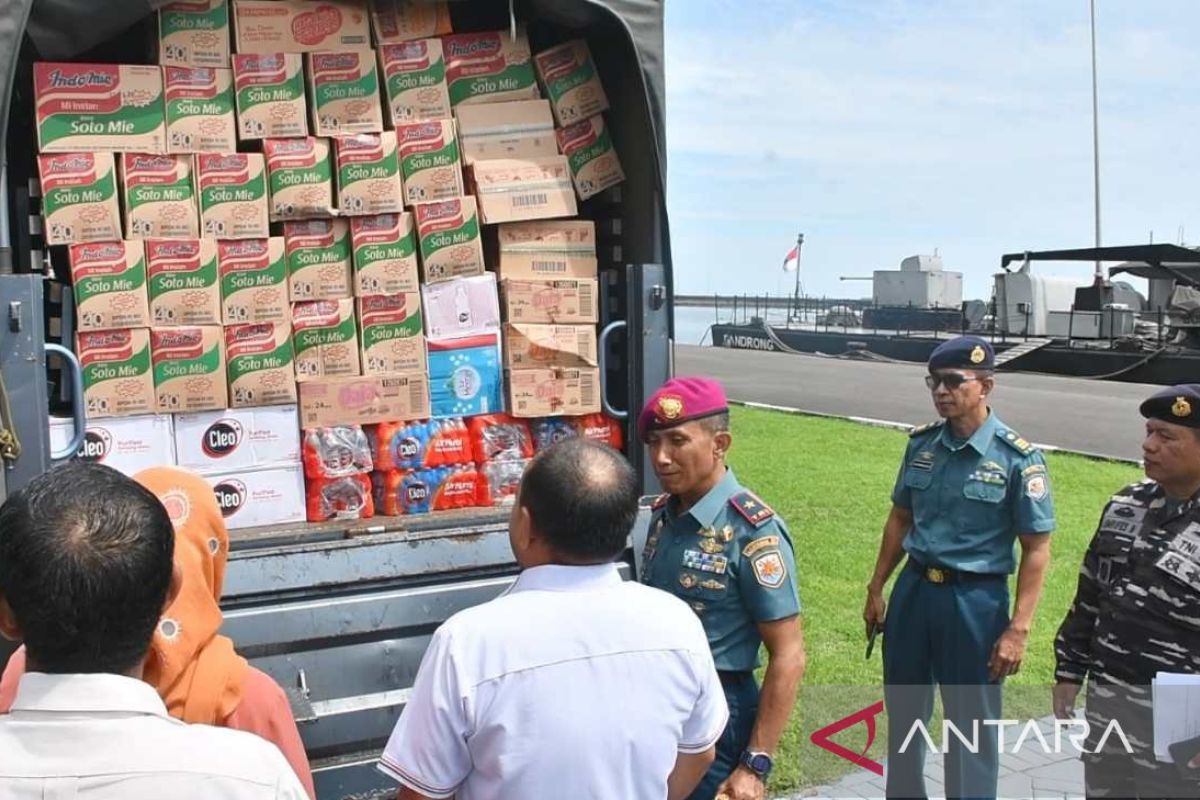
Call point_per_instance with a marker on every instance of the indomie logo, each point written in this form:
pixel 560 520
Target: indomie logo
pixel 96 445
pixel 110 339
pixel 247 333
pixel 81 80
pixel 106 250
pixel 221 438
pixel 246 247
pixel 335 60
pixel 262 62
pixel 150 162
pixel 426 130
pixel 231 495
pixel 179 249
pixel 231 161
pixel 475 46
pixel 178 338
pixel 71 163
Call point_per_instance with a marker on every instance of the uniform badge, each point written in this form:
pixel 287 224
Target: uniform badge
pixel 769 570
pixel 698 607
pixel 1181 407
pixel 670 406
pixel 760 544
pixel 727 533
pixel 977 355
pixel 1036 487
pixel 704 562
pixel 1181 568
pixel 712 546
pixel 707 533
pixel 687 580
pixel 712 585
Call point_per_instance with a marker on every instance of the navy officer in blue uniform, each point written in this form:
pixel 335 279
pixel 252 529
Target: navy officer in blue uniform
pixel 729 556
pixel 969 487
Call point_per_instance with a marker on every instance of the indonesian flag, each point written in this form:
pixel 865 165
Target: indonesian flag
pixel 792 262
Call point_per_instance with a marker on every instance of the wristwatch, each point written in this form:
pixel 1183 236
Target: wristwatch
pixel 758 763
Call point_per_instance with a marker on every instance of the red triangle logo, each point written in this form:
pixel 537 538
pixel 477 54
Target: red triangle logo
pixel 821 738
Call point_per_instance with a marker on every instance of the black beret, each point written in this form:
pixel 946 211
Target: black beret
pixel 965 352
pixel 1178 404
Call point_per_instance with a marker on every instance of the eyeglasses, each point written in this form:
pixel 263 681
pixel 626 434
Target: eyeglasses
pixel 951 380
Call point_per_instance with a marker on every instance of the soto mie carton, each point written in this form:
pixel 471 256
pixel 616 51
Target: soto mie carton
pixel 509 190
pixel 414 79
pixel 448 239
pixel 571 301
pixel 89 107
pixel 194 34
pixel 233 195
pixel 79 197
pixel 254 281
pixel 489 67
pixel 534 345
pixel 300 174
pixel 300 26
pixel 568 75
pixel 325 339
pixel 189 368
pixel 109 279
pixel 429 161
pixel 589 150
pixel 261 364
pixel 395 21
pixel 368 174
pixel 547 249
pixel 344 93
pixel 319 259
pixel 117 381
pixel 199 109
pixel 269 89
pixel 182 278
pixel 385 254
pixel 520 129
pixel 391 333
pixel 159 196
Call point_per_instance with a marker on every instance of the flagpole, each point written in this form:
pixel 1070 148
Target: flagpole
pixel 796 296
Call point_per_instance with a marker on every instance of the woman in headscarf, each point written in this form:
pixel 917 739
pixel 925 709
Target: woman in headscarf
pixel 196 671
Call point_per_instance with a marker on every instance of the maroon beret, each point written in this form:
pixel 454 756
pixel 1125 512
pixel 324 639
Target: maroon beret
pixel 681 400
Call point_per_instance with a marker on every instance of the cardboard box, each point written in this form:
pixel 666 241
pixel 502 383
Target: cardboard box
pixel 232 440
pixel 189 368
pixel 199 109
pixel 182 278
pixel 300 26
pixel 300 174
pixel 568 301
pixel 344 93
pixel 127 444
pixel 368 174
pixel 325 338
pixel 117 380
pixel 520 129
pixel 319 259
pixel 194 34
pixel 395 21
pixel 429 161
pixel 489 67
pixel 510 190
pixel 534 345
pixel 448 239
pixel 392 333
pixel 270 95
pixel 109 279
pixel 414 79
pixel 461 307
pixel 385 254
pixel 260 497
pixel 569 77
pixel 254 281
pixel 364 400
pixel 233 195
pixel 159 196
pixel 90 107
pixel 465 376
pixel 553 391
pixel 79 198
pixel 553 249
pixel 589 150
pixel 261 364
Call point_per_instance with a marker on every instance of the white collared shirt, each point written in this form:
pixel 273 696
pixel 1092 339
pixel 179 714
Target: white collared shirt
pixel 572 684
pixel 102 737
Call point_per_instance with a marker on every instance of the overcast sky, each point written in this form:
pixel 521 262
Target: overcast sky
pixel 885 128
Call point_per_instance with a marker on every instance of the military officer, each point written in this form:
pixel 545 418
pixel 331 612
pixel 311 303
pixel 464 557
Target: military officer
pixel 1137 607
pixel 969 486
pixel 729 556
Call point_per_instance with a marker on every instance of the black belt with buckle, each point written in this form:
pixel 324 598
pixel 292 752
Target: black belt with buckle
pixel 944 575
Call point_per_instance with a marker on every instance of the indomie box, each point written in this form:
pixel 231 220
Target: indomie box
pixel 89 107
pixel 589 150
pixel 182 278
pixel 261 364
pixel 448 237
pixel 429 161
pixel 547 249
pixel 404 20
pixel 79 198
pixel 159 196
pixel 549 391
pixel 534 345
pixel 568 300
pixel 569 77
pixel 392 336
pixel 194 34
pixel 368 174
pixel 414 79
pixel 270 95
pixel 326 340
pixel 300 26
pixel 319 261
pixel 117 380
pixel 233 195
pixel 199 109
pixel 109 279
pixel 510 190
pixel 254 281
pixel 300 174
pixel 344 93
pixel 521 129
pixel 385 254
pixel 189 368
pixel 489 67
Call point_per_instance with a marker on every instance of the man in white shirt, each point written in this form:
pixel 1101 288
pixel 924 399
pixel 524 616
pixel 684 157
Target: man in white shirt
pixel 85 571
pixel 574 683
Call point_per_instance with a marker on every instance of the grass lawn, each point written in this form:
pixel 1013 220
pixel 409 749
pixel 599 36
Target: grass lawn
pixel 831 480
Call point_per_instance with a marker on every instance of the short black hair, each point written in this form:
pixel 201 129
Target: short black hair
pixel 582 497
pixel 85 565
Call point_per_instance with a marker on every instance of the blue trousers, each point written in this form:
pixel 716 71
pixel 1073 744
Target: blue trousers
pixel 942 634
pixel 742 697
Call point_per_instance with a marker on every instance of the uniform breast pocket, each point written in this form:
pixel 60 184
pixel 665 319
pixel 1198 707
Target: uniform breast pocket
pixel 982 504
pixel 918 479
pixel 1112 555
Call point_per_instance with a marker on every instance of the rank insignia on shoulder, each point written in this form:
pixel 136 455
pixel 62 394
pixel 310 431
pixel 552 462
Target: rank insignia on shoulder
pixel 928 426
pixel 1014 440
pixel 659 501
pixel 755 511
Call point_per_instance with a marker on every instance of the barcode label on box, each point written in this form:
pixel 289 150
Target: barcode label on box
pixel 548 266
pixel 582 340
pixel 587 390
pixel 416 394
pixel 585 298
pixel 527 200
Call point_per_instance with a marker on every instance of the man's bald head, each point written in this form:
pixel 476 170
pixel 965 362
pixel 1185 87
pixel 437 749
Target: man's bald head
pixel 582 499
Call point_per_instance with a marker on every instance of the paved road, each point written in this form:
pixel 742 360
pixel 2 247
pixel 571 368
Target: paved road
pixel 1091 416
